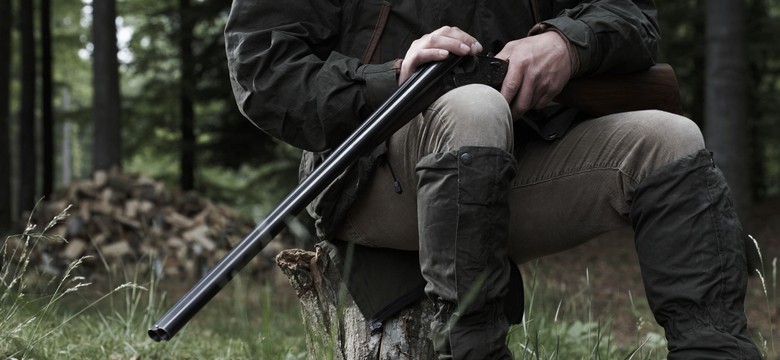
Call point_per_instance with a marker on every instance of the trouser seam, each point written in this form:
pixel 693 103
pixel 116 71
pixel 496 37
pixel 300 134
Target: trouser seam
pixel 569 173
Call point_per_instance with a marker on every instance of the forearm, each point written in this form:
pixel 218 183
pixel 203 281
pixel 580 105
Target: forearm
pixel 288 79
pixel 610 35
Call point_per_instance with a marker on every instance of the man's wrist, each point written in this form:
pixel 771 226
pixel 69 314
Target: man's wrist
pixel 381 80
pixel 574 60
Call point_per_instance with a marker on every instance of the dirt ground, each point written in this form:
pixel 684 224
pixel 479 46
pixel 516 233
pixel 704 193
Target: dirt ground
pixel 610 265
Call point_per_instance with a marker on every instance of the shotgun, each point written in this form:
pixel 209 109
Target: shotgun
pixel 413 96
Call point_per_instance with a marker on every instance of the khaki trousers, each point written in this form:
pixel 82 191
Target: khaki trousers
pixel 566 191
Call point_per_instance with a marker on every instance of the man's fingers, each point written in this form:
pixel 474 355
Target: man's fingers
pixel 521 103
pixel 458 43
pixel 511 86
pixel 437 46
pixel 513 82
pixel 413 61
pixel 466 42
pixel 456 46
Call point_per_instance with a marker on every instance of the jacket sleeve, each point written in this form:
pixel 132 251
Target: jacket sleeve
pixel 287 79
pixel 616 36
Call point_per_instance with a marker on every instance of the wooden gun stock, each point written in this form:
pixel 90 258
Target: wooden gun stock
pixel 655 88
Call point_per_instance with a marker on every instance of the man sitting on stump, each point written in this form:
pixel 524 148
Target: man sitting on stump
pixel 486 178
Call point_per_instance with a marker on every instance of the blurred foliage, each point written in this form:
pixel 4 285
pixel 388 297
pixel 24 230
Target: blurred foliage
pixel 683 46
pixel 237 163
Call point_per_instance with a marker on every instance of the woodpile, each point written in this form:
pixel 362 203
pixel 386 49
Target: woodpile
pixel 117 219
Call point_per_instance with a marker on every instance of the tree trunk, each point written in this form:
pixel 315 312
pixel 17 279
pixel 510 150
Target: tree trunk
pixel 6 206
pixel 336 329
pixel 107 139
pixel 186 92
pixel 726 124
pixel 47 110
pixel 28 155
pixel 66 161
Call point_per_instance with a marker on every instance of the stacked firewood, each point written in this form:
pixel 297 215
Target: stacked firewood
pixel 117 220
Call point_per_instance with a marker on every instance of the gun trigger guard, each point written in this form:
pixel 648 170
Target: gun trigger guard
pixel 480 69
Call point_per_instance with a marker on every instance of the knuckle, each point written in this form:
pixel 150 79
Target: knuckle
pixel 434 39
pixel 512 85
pixel 419 43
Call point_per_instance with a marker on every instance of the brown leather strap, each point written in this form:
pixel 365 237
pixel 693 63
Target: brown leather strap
pixel 381 22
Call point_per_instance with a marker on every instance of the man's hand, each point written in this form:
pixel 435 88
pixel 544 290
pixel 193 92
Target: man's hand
pixel 539 67
pixel 436 46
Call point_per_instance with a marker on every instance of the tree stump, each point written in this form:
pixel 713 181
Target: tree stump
pixel 335 327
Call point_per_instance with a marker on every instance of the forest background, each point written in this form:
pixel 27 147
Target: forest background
pixel 142 85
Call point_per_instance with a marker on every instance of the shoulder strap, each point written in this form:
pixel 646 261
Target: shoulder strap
pixel 381 22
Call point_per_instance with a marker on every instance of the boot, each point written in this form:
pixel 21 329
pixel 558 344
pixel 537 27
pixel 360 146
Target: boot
pixel 463 215
pixel 692 258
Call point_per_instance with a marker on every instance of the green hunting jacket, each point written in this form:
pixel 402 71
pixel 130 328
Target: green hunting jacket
pixel 308 72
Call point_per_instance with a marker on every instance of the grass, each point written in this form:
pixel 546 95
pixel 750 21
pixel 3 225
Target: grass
pixel 564 326
pixel 767 337
pixel 45 316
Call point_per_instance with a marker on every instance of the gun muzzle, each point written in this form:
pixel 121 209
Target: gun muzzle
pixel 158 334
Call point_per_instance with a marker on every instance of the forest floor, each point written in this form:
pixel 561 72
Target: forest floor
pixel 600 282
pixel 609 266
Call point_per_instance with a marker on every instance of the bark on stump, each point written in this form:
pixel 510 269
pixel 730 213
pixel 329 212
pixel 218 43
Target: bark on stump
pixel 335 327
